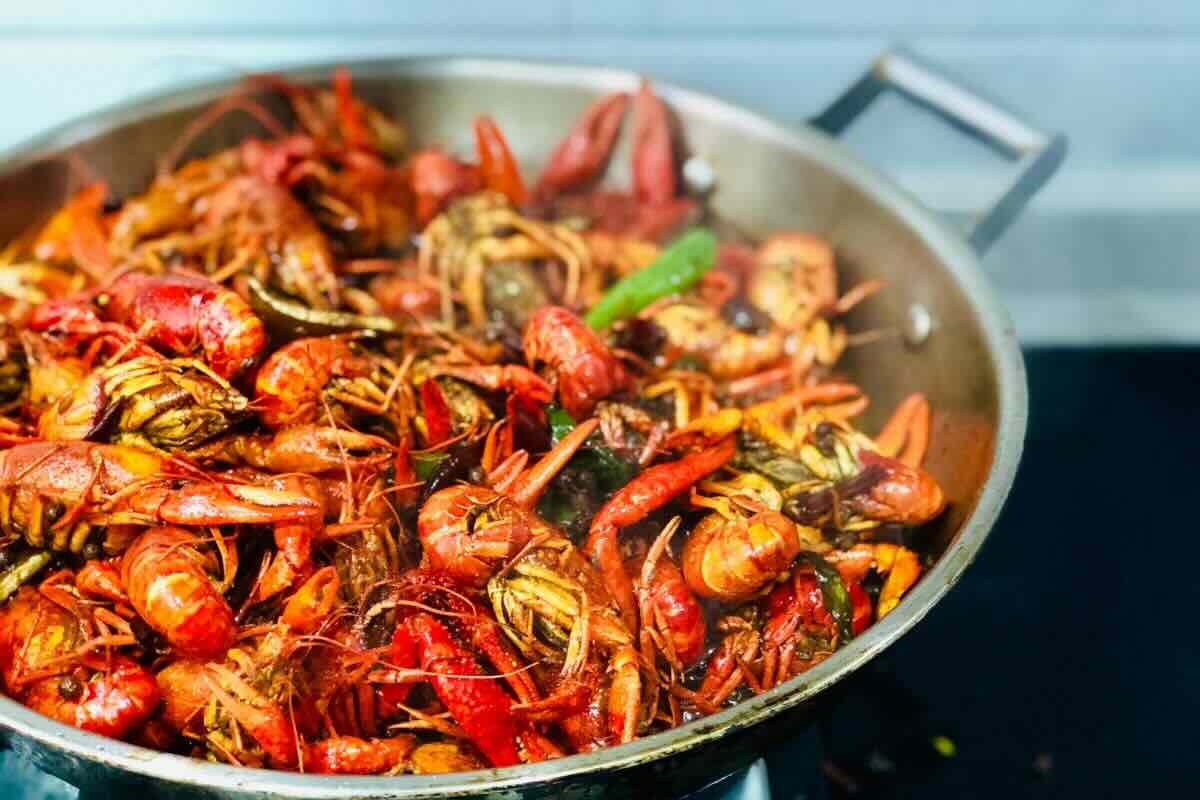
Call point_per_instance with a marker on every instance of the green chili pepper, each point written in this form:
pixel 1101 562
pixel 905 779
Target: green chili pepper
pixel 591 476
pixel 677 267
pixel 561 423
pixel 12 578
pixel 835 594
pixel 610 468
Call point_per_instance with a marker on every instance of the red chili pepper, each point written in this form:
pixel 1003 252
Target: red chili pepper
pixel 476 701
pixel 860 601
pixel 437 413
pixel 402 463
pixel 350 120
pixel 496 162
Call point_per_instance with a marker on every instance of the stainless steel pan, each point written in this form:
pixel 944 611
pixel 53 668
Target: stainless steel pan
pixel 959 348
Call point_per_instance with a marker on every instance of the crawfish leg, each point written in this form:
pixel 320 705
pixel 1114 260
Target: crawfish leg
pixel 625 694
pixel 905 436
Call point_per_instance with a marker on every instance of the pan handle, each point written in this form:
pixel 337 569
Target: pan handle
pixel 1036 152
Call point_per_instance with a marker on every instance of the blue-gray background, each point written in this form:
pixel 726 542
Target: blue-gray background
pixel 1107 254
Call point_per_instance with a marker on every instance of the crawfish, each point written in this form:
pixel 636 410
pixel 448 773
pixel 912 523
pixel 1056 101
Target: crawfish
pixel 199 696
pixel 460 244
pixel 436 178
pixel 479 705
pixel 337 119
pixel 794 279
pixel 552 604
pixel 470 531
pixel 170 203
pixel 308 449
pixel 581 367
pixel 649 491
pixel 669 608
pixel 77 233
pixel 583 153
pixel 53 493
pixel 115 701
pixel 289 247
pixel 445 650
pixel 349 755
pixel 700 331
pixel 555 608
pixel 653 207
pixel 790 630
pixel 180 314
pixel 147 401
pixel 745 543
pixel 39 640
pixel 166 579
pixel 302 379
pixel 850 472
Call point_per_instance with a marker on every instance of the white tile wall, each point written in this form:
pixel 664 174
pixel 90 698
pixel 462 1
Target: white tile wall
pixel 1122 79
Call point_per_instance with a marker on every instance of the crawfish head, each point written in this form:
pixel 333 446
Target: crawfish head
pixel 815 506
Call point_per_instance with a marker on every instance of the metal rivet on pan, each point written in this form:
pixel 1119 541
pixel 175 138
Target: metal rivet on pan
pixel 698 176
pixel 919 325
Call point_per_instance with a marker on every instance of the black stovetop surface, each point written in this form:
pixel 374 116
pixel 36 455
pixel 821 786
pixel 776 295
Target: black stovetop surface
pixel 1063 664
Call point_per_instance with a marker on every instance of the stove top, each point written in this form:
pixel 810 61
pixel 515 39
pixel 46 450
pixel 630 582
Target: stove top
pixel 1056 667
pixel 1060 665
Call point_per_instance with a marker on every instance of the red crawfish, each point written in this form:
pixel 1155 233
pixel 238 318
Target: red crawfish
pixel 43 667
pixel 436 178
pixel 286 246
pixel 337 378
pixel 189 687
pixel 856 482
pixel 653 207
pixel 670 608
pixel 167 581
pixel 785 633
pixel 471 531
pixel 180 315
pixel 478 704
pixel 308 449
pixel 53 494
pixel 650 490
pixel 78 233
pixel 447 652
pixel 147 401
pixel 581 367
pixel 745 543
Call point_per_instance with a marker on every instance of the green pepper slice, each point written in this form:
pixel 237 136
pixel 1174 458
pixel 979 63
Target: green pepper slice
pixel 677 268
pixel 835 595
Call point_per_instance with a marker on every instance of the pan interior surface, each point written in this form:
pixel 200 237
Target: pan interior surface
pixel 768 179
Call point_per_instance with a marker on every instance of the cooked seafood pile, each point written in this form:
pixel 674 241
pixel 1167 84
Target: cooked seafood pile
pixel 326 455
